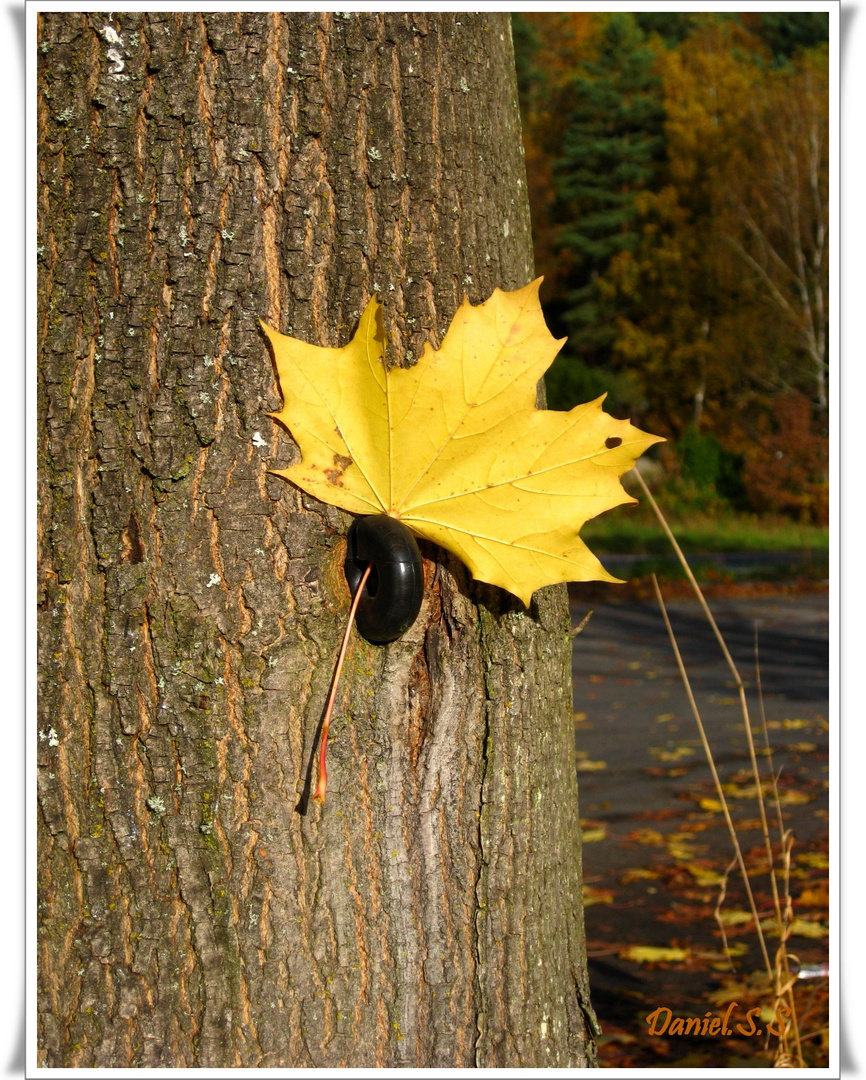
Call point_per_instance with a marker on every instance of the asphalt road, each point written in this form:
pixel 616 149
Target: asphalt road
pixel 637 713
pixel 645 782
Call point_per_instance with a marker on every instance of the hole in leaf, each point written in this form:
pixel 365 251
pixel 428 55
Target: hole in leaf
pixel 613 441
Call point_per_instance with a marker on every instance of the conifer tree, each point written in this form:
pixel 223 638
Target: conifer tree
pixel 612 148
pixel 787 33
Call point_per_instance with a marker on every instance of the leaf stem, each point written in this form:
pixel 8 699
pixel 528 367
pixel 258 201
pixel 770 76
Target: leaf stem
pixel 322 786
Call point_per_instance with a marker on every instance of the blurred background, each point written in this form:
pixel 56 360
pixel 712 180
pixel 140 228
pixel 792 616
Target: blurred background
pixel 678 172
pixel 678 177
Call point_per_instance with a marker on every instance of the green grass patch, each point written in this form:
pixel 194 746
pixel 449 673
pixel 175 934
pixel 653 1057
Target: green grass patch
pixel 622 532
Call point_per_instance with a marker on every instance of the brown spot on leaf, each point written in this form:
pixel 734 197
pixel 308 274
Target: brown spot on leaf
pixel 613 441
pixel 341 463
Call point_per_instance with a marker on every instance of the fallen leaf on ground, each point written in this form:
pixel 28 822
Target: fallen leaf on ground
pixel 592 836
pixel 800 928
pixel 681 848
pixel 677 754
pixel 645 836
pixel 735 950
pixel 788 725
pixel 652 954
pixel 813 859
pixel 815 895
pixel 592 896
pixel 703 875
pixel 794 798
pixel 791 797
pixel 735 918
pixel 638 873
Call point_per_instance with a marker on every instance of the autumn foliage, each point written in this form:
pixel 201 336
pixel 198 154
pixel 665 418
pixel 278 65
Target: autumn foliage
pixel 786 471
pixel 678 173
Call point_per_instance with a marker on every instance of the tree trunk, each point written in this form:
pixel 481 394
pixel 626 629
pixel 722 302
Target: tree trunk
pixel 197 172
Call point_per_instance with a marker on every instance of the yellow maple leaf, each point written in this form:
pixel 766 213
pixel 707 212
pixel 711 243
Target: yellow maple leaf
pixel 800 927
pixel 813 859
pixel 592 836
pixel 454 446
pixel 735 918
pixel 652 954
pixel 592 895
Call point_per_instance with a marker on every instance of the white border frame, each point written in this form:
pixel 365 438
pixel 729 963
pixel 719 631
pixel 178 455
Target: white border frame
pixel 852 981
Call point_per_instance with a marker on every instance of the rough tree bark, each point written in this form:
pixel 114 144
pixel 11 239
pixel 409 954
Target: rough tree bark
pixel 197 172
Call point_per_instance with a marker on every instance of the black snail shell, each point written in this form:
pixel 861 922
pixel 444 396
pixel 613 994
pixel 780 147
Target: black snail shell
pixel 392 595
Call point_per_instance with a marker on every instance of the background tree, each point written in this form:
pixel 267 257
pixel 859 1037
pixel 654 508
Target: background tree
pixel 197 172
pixel 547 51
pixel 610 154
pixel 778 187
pixel 685 320
pixel 787 33
pixel 707 302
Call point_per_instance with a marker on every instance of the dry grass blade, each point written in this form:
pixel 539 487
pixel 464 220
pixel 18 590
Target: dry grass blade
pixel 717 911
pixel 738 853
pixel 767 749
pixel 783 980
